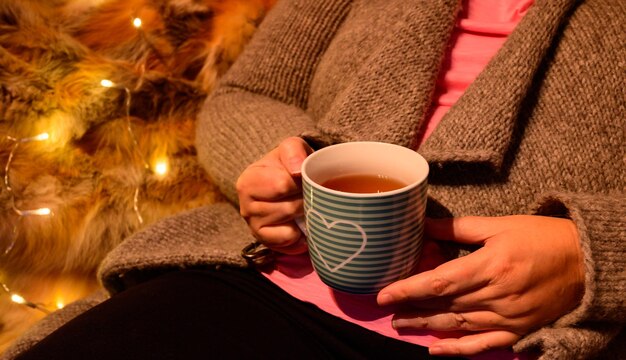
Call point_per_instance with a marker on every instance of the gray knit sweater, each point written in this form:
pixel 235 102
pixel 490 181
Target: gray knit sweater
pixel 541 130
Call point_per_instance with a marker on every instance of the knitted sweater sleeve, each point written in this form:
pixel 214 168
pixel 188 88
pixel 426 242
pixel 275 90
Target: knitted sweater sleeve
pixel 602 312
pixel 262 98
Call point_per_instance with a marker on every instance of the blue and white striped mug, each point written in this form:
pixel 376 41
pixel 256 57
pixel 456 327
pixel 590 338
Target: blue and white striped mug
pixel 361 242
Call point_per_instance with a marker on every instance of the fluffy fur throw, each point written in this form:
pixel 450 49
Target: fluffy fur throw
pixel 95 172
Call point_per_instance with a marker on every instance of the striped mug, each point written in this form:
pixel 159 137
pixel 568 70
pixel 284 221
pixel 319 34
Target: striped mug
pixel 364 206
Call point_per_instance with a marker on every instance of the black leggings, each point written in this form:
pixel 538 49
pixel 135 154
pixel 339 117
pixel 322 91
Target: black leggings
pixel 214 314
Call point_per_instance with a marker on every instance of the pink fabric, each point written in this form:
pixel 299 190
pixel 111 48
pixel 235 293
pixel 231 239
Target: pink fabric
pixel 295 275
pixel 482 28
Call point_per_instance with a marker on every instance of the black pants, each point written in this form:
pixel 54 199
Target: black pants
pixel 214 314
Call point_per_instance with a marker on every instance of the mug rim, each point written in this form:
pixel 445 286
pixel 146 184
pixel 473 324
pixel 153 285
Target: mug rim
pixel 422 179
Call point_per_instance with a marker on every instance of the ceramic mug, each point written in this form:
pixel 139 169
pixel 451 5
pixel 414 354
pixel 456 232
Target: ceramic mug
pixel 361 242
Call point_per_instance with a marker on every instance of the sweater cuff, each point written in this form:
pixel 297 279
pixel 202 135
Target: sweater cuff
pixel 210 236
pixel 602 229
pixel 571 343
pixel 587 330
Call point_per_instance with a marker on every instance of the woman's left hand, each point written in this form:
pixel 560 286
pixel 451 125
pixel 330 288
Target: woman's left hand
pixel 528 273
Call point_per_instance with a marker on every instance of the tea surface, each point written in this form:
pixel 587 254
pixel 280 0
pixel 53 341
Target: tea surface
pixel 363 183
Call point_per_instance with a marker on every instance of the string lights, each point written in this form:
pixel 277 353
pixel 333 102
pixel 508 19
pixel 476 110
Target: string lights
pixel 161 165
pixel 138 24
pixel 7 183
pixel 160 168
pixel 127 102
pixel 16 298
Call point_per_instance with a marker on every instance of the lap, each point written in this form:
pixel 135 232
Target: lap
pixel 227 313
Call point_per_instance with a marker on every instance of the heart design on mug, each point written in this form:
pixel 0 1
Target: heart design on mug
pixel 330 226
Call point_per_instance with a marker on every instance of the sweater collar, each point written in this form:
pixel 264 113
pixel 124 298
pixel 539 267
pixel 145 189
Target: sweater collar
pixel 389 105
pixel 484 125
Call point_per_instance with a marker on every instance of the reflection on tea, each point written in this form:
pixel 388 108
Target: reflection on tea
pixel 363 183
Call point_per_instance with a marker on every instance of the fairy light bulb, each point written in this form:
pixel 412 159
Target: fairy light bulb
pixel 107 83
pixel 40 137
pixel 161 167
pixel 137 22
pixel 60 304
pixel 18 299
pixel 42 212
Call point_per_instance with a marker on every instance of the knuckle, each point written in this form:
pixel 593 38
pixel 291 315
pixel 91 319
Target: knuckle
pixel 282 185
pixel 291 141
pixel 244 183
pixel 461 322
pixel 440 286
pixel 515 299
pixel 240 185
pixel 286 143
pixel 501 270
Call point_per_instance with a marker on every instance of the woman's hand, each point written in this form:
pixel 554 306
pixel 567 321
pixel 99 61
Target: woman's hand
pixel 270 196
pixel 528 273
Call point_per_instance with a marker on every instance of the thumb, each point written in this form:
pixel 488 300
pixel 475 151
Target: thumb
pixel 292 152
pixel 467 230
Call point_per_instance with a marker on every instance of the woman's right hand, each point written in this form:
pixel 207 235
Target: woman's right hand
pixel 270 196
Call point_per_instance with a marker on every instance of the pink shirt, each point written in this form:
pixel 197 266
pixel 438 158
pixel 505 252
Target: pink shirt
pixel 482 28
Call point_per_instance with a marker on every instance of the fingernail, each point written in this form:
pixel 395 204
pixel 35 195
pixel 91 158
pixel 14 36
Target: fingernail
pixel 435 350
pixel 385 299
pixel 399 323
pixel 294 166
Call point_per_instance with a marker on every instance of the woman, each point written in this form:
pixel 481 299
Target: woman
pixel 526 170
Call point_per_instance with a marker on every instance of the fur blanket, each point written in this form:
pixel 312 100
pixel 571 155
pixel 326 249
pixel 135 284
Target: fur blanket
pixel 116 157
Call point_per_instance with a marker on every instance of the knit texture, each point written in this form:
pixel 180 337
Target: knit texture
pixel 213 235
pixel 540 131
pixel 277 91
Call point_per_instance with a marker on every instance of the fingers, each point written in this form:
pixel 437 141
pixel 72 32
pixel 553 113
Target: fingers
pixel 454 277
pixel 276 175
pixel 284 238
pixel 451 321
pixel 266 182
pixel 260 213
pixel 467 230
pixel 292 152
pixel 273 224
pixel 473 344
pixel 270 196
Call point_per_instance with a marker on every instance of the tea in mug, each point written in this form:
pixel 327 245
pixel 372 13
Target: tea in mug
pixel 363 183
